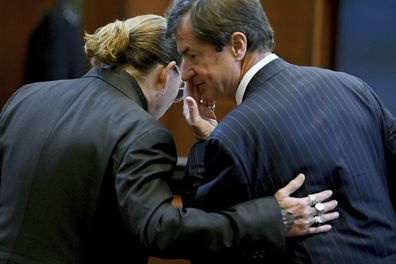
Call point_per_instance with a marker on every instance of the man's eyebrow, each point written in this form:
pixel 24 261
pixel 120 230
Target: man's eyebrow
pixel 185 51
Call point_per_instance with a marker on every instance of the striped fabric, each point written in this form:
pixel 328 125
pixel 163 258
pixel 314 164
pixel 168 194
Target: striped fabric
pixel 326 124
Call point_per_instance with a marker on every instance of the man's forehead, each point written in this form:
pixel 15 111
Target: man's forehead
pixel 186 39
pixel 184 27
pixel 184 36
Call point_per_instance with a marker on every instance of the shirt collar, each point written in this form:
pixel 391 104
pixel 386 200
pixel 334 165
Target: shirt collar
pixel 249 75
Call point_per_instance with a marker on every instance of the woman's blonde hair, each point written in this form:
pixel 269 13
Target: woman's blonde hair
pixel 139 41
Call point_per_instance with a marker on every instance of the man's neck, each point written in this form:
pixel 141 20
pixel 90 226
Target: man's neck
pixel 250 60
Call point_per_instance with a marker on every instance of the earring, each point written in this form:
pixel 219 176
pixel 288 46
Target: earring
pixel 162 93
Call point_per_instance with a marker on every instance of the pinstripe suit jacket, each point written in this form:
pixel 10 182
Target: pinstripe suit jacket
pixel 328 125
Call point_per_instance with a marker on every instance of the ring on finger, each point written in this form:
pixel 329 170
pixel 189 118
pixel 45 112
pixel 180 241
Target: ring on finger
pixel 311 200
pixel 320 208
pixel 317 220
pixel 212 107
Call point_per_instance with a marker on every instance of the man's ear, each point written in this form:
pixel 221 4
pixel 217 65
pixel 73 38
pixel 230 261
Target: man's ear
pixel 165 70
pixel 239 45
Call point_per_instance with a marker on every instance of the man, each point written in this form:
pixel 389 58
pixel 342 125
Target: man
pixel 289 119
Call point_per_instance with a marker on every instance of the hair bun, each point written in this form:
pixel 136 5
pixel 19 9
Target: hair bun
pixel 107 42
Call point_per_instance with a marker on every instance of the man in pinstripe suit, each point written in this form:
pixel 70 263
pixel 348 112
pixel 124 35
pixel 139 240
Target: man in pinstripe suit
pixel 289 119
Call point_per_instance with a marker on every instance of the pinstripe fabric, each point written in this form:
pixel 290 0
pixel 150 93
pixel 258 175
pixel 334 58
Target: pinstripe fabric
pixel 325 124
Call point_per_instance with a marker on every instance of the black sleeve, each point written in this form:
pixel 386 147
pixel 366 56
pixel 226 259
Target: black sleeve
pixel 167 231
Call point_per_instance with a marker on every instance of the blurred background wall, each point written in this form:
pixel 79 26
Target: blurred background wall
pixel 304 35
pixel 366 44
pixel 355 36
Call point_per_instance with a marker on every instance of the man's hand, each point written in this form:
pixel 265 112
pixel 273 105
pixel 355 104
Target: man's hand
pixel 200 125
pixel 200 116
pixel 299 214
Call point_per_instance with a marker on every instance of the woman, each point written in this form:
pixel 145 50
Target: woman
pixel 85 165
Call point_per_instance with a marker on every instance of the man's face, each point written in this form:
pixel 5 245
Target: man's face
pixel 214 75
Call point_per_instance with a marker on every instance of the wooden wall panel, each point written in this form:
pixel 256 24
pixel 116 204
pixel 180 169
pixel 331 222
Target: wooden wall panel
pixel 18 19
pixel 139 7
pixel 97 13
pixel 292 24
pixel 304 30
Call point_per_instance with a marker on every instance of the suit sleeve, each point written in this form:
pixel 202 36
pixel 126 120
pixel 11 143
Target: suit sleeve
pixel 388 131
pixel 389 135
pixel 218 176
pixel 145 201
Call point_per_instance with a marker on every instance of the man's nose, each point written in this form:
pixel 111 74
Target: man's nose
pixel 186 71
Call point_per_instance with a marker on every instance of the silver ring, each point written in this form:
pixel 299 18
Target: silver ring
pixel 213 107
pixel 317 220
pixel 311 200
pixel 320 208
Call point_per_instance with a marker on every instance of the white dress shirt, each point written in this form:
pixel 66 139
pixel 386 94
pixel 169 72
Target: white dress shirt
pixel 249 75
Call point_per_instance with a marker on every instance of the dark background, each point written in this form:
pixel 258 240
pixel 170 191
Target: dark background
pixel 366 45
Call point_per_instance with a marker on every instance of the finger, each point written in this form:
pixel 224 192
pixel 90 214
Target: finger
pixel 188 90
pixel 210 102
pixel 319 229
pixel 322 196
pixel 324 227
pixel 192 109
pixel 329 216
pixel 331 205
pixel 186 112
pixel 203 108
pixel 206 112
pixel 293 185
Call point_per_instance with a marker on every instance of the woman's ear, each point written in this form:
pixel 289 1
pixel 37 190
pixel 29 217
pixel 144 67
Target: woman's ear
pixel 239 45
pixel 165 70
